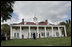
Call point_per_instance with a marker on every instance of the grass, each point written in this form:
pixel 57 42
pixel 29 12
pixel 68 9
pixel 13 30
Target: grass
pixel 65 41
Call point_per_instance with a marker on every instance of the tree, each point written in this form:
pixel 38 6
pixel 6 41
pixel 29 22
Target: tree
pixel 68 26
pixel 5 28
pixel 6 9
pixel 62 23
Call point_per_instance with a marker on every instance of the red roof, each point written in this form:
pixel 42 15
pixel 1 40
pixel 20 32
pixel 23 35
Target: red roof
pixel 31 23
pixel 51 24
pixel 42 23
pixel 22 23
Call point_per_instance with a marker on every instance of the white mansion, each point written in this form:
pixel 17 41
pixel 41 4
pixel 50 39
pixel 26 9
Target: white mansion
pixel 41 30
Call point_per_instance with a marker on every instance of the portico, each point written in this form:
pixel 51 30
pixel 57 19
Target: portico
pixel 43 30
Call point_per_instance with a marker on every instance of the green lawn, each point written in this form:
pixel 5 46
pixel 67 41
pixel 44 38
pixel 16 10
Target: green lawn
pixel 66 41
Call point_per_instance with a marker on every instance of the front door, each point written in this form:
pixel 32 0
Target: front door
pixel 47 34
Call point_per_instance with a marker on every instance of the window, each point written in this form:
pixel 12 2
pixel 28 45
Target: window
pixel 31 34
pixel 14 35
pixel 35 28
pixel 17 35
pixel 47 34
pixel 57 33
pixel 22 28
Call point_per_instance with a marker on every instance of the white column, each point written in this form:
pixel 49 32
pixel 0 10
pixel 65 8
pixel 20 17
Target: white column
pixel 52 31
pixel 20 33
pixel 37 32
pixel 59 31
pixel 65 31
pixel 10 32
pixel 29 32
pixel 45 31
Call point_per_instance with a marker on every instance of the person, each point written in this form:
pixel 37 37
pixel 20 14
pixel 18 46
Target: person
pixel 39 35
pixel 34 36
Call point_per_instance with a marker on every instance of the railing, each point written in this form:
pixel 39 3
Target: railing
pixel 41 25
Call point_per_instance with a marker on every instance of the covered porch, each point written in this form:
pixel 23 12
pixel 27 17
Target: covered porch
pixel 26 31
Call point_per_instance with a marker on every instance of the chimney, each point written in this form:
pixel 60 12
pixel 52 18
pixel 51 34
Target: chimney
pixel 46 22
pixel 22 21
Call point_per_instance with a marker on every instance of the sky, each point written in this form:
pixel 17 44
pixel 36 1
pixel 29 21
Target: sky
pixel 53 11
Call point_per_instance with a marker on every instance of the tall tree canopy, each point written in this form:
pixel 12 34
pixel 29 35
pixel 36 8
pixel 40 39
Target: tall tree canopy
pixel 6 9
pixel 62 23
pixel 68 26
